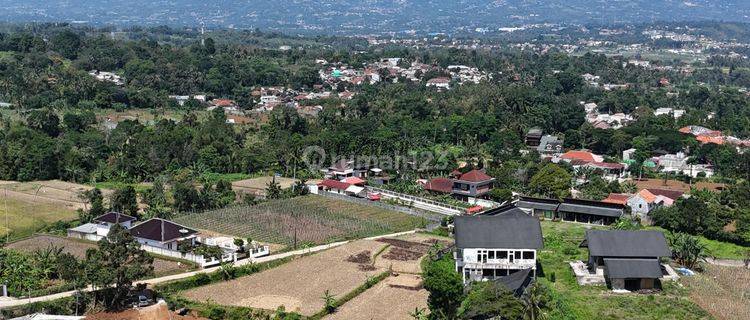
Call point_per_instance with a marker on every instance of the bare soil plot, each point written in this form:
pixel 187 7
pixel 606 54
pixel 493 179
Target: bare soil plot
pixel 405 253
pixel 258 185
pixel 159 311
pixel 391 299
pixel 78 248
pixel 677 185
pixel 298 285
pixel 52 192
pixel 722 291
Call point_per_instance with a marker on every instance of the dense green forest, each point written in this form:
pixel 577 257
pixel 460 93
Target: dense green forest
pixel 56 133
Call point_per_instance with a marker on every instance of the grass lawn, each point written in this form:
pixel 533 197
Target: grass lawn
pixel 572 301
pixel 724 250
pixel 24 218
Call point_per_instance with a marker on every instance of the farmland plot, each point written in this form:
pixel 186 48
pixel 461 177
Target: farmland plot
pixel 297 285
pixel 391 299
pixel 405 253
pixel 303 220
pixel 722 291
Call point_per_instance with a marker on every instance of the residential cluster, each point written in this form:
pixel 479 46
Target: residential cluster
pixel 167 238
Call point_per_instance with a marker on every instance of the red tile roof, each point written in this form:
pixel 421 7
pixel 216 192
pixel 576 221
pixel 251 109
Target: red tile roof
pixel 353 180
pixel 475 176
pixel 578 155
pixel 439 185
pixel 618 198
pixel 333 184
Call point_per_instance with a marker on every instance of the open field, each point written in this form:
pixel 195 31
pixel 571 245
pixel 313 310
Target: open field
pixel 310 219
pixel 297 285
pixel 561 242
pixel 722 291
pixel 78 248
pixel 258 185
pixel 32 205
pixel 391 299
pixel 678 185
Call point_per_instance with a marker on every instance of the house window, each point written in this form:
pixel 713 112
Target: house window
pixel 492 254
pixel 488 273
pixel 502 254
pixel 528 255
pixel 518 254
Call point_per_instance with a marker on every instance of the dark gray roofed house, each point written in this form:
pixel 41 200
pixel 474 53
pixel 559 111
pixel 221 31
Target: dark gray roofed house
pixel 496 245
pixel 161 233
pixel 510 230
pixel 628 244
pixel 539 207
pixel 630 259
pixel 114 217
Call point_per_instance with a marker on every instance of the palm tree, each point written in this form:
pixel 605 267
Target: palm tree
pixel 418 314
pixel 535 300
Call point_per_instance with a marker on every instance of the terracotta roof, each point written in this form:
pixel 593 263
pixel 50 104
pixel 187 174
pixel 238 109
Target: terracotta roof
pixel 709 139
pixel 439 80
pixel 353 180
pixel 671 194
pixel 618 198
pixel 439 185
pixel 223 102
pixel 475 176
pixel 647 195
pixel 333 184
pixel 578 155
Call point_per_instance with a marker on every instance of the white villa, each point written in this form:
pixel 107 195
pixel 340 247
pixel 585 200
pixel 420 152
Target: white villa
pixel 499 243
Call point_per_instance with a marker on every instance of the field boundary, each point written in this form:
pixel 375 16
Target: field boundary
pixel 369 283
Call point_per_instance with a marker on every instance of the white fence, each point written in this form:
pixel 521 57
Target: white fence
pixel 198 259
pixel 419 202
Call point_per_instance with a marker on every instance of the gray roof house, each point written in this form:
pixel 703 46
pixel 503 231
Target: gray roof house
pixel 630 258
pixel 493 246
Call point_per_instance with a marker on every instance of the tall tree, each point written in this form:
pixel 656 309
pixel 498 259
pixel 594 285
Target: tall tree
pixel 115 264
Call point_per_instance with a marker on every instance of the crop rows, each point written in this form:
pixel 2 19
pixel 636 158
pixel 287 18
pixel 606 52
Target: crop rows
pixel 305 220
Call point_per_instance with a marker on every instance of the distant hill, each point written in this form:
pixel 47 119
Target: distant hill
pixel 370 16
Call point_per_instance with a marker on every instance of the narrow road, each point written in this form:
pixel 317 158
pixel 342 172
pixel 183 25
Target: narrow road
pixel 14 302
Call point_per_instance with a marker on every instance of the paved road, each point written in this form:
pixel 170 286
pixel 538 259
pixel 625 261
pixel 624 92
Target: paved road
pixel 12 302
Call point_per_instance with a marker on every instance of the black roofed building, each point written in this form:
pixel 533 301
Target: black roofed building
pixel 629 259
pixel 497 244
pixel 539 207
pixel 587 211
pixel 99 227
pixel 162 234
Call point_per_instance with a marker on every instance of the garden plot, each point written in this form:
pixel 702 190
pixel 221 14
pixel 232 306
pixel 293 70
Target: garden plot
pixel 298 285
pixel 78 248
pixel 722 291
pixel 405 253
pixel 310 219
pixel 392 299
